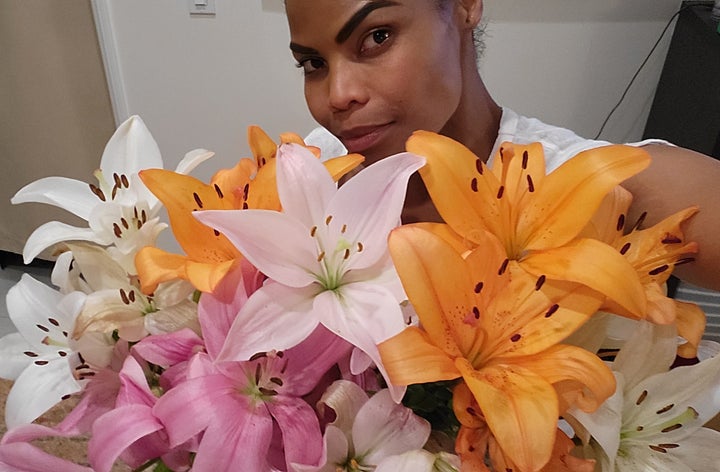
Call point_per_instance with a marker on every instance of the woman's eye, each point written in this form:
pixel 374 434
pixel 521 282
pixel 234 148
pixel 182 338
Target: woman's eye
pixel 310 65
pixel 375 39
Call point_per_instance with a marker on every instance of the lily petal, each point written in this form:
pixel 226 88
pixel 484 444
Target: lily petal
pixel 649 350
pixel 202 394
pixel 338 167
pixel 437 283
pixel 384 428
pixel 701 452
pixel 130 149
pixel 604 423
pixel 24 457
pixel 544 312
pixel 192 159
pixel 413 461
pixel 169 349
pixel 579 377
pixel 448 176
pixel 117 430
pixel 226 442
pixel 68 194
pixel 12 347
pixel 41 313
pixel 287 258
pixel 364 315
pixel 570 195
pixel 311 359
pixel 690 386
pixel 54 232
pixel 218 310
pixel 345 398
pixel 181 194
pixel 38 388
pixel 276 317
pixel 690 321
pixel 302 440
pixel 642 459
pixel 381 185
pixel 308 201
pixel 411 358
pixel 595 265
pixel 519 406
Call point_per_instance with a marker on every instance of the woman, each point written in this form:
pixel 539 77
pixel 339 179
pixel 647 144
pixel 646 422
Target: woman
pixel 377 70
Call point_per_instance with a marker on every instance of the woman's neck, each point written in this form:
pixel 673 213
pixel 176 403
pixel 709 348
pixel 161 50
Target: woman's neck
pixel 476 121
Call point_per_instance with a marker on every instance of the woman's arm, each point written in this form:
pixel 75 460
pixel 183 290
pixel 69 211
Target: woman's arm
pixel 676 179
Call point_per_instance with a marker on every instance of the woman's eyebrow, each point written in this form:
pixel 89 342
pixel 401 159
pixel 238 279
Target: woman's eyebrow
pixel 300 49
pixel 359 16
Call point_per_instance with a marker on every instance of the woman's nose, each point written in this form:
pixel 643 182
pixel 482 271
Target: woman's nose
pixel 347 88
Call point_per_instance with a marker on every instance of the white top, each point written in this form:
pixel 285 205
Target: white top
pixel 559 144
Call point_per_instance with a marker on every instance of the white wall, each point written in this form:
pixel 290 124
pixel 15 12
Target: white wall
pixel 198 82
pixel 568 61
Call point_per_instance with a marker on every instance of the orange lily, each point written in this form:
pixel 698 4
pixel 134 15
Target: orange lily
pixel 209 254
pixel 536 216
pixel 653 253
pixel 487 320
pixel 475 439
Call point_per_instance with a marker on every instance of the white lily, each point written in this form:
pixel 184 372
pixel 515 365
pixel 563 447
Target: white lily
pixel 420 460
pixel 367 432
pixel 115 302
pixel 326 255
pixel 45 363
pixel 120 210
pixel 655 419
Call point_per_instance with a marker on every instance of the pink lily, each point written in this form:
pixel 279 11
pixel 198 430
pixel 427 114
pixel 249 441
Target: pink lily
pixel 367 431
pixel 250 413
pixel 18 455
pixel 130 430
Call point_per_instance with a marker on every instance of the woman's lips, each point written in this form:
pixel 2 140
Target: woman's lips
pixel 361 138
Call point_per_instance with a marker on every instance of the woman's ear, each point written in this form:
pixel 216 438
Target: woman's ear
pixel 471 10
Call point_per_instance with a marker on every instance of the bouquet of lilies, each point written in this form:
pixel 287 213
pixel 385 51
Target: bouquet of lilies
pixel 305 329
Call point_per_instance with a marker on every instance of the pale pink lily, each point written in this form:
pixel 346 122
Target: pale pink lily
pixel 45 363
pixel 367 432
pixel 326 255
pixel 654 420
pixel 120 211
pixel 252 413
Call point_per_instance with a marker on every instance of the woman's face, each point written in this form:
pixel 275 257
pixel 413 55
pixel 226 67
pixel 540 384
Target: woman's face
pixel 377 70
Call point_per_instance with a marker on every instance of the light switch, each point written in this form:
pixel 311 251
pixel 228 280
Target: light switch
pixel 202 7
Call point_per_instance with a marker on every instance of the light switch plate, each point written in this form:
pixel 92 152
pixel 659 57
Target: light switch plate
pixel 201 7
